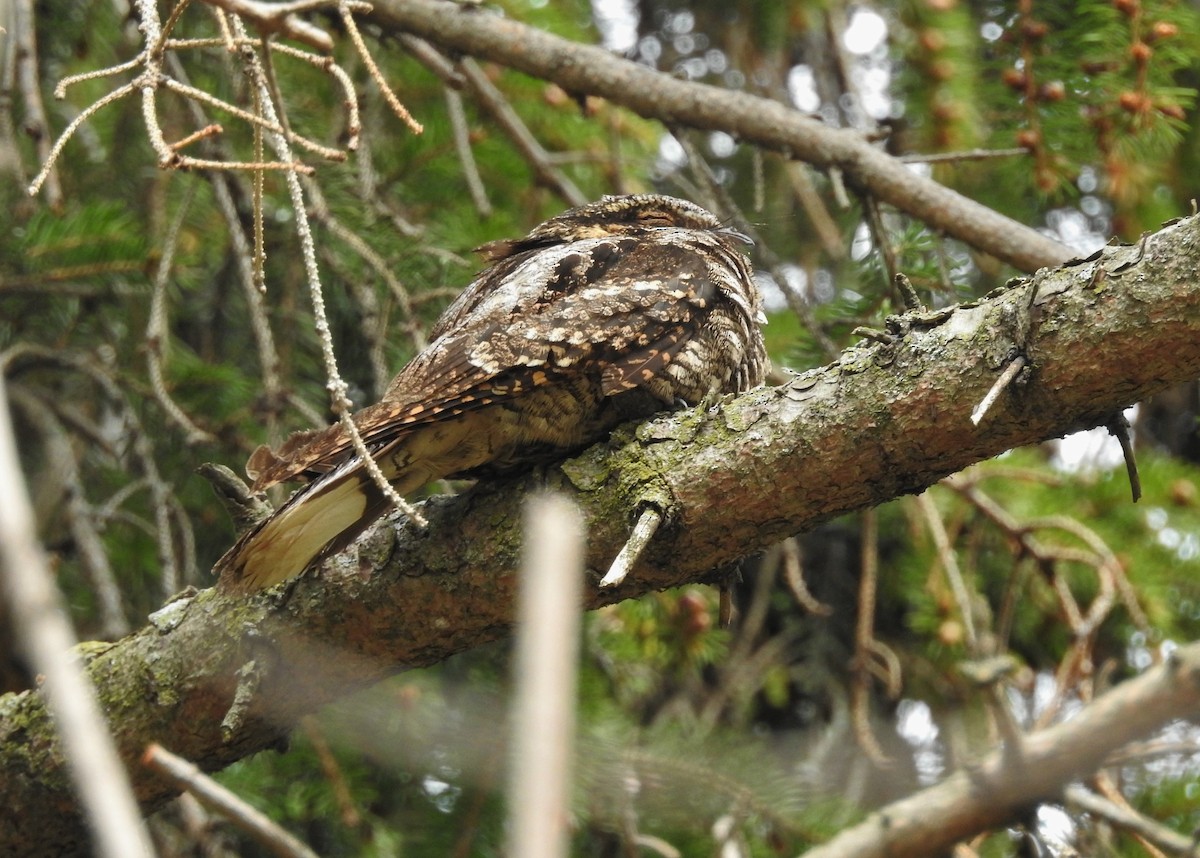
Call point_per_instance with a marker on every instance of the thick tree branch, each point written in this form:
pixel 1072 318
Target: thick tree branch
pixel 1008 782
pixel 884 420
pixel 590 70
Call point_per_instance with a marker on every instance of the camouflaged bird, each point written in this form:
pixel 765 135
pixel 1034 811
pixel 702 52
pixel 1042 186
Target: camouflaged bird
pixel 609 312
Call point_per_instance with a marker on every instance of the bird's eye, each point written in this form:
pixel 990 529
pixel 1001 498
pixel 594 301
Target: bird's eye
pixel 653 217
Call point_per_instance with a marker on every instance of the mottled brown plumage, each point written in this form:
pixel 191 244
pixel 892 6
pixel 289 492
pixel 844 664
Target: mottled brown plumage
pixel 608 312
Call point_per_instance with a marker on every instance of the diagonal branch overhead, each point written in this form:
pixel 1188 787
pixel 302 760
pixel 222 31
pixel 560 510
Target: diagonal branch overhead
pixel 885 419
pixel 590 70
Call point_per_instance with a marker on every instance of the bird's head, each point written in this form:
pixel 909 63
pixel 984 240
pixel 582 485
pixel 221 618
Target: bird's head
pixel 612 215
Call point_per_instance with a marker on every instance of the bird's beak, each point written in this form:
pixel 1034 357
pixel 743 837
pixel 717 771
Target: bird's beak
pixel 739 236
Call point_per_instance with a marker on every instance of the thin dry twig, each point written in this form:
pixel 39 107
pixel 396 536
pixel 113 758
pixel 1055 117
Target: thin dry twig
pixel 248 262
pixel 158 330
pixel 347 808
pixel 272 19
pixel 411 325
pixel 51 159
pixel 466 157
pixel 965 155
pixel 494 102
pixel 1129 819
pixel 949 560
pixel 1002 382
pixel 151 78
pixel 389 95
pixel 215 797
pixel 793 576
pixel 805 191
pixel 1097 555
pixel 432 59
pixel 34 124
pixel 865 643
pixel 643 531
pixel 881 236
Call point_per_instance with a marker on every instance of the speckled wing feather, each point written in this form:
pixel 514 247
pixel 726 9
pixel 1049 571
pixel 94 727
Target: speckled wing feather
pixel 644 322
pixel 608 312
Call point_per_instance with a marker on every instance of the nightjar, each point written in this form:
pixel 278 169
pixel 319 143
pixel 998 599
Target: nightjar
pixel 608 312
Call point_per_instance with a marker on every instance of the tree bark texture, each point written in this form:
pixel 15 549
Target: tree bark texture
pixel 881 421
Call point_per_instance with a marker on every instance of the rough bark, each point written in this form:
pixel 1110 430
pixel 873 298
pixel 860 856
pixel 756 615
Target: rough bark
pixel 590 70
pixel 882 421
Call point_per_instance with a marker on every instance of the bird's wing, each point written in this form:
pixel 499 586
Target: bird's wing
pixel 615 308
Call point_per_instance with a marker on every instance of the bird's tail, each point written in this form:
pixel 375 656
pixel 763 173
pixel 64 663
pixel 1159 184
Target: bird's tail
pixel 318 520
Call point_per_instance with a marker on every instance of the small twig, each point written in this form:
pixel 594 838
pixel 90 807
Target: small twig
pixel 759 180
pixel 429 56
pixel 68 132
pixel 135 436
pixel 531 150
pixel 943 264
pixel 466 158
pixel 345 8
pixel 322 62
pixel 793 576
pixel 60 91
pixel 949 561
pixel 249 678
pixel 966 155
pixel 1124 268
pixel 207 131
pixel 1130 820
pixel 1118 427
pixel 1010 372
pixel 656 845
pixel 874 335
pixel 185 535
pixel 244 259
pixel 155 47
pixel 885 666
pixel 412 324
pixel 643 531
pixel 348 810
pixel 158 330
pixel 1097 555
pixel 252 119
pixel 908 294
pixel 799 176
pixel 864 639
pixel 1154 749
pixel 280 19
pixel 372 320
pixel 883 243
pixel 215 797
pixel 837 182
pixel 725 606
pixel 34 123
pixel 798 302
